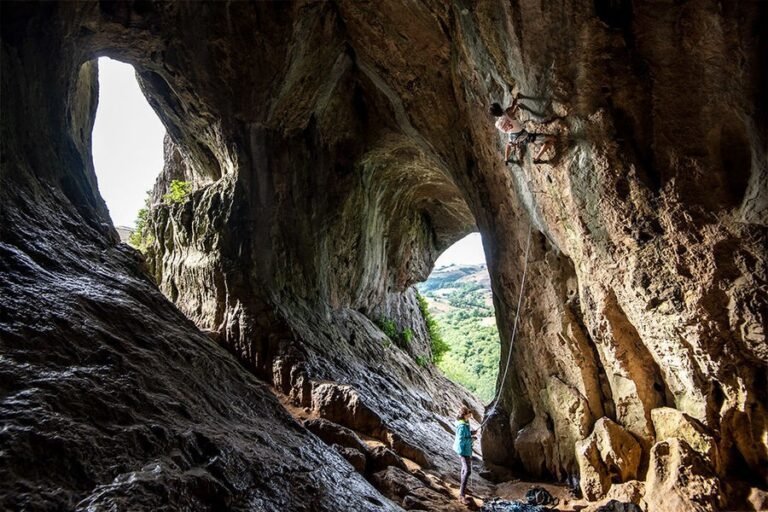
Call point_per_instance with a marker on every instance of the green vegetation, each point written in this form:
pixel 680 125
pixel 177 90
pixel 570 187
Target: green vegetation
pixel 460 301
pixel 439 347
pixel 401 338
pixel 141 238
pixel 388 327
pixel 179 191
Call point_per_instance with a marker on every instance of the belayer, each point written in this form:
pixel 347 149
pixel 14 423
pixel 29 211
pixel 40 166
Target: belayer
pixel 508 123
pixel 463 447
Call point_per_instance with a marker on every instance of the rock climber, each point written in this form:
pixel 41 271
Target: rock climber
pixel 518 136
pixel 463 447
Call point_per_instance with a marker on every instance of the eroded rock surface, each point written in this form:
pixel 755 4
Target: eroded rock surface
pixel 671 423
pixel 335 148
pixel 679 478
pixel 609 455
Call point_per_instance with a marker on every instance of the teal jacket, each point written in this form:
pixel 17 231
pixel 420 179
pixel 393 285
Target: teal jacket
pixel 463 443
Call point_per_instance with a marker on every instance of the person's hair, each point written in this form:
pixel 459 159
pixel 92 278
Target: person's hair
pixel 495 110
pixel 463 411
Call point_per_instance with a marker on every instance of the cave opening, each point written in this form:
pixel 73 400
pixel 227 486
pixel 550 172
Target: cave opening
pixel 460 301
pixel 127 146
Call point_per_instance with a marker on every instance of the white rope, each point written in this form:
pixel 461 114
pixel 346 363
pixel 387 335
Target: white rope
pixel 496 397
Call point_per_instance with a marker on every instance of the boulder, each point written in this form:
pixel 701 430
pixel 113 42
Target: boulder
pixel 594 480
pixel 609 455
pixel 333 433
pixel 494 442
pixel 758 498
pixel 382 457
pixel 342 404
pixel 407 450
pixel 680 478
pixel 534 445
pixel 669 423
pixel 632 491
pixel 571 420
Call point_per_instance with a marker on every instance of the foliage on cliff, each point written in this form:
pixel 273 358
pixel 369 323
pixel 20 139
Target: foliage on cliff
pixel 178 192
pixel 438 344
pixel 141 238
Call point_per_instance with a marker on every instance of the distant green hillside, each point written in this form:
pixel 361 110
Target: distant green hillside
pixel 460 300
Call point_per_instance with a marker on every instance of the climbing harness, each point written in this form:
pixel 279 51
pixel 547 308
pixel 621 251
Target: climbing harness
pixel 496 397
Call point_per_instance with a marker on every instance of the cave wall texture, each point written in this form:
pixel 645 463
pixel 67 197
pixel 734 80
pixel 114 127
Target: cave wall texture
pixel 336 148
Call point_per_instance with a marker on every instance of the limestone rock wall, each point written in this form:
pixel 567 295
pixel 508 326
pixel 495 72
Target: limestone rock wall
pixel 641 202
pixel 109 397
pixel 337 147
pixel 648 229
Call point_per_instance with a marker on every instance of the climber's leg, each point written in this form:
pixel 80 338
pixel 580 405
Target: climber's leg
pixel 466 470
pixel 547 142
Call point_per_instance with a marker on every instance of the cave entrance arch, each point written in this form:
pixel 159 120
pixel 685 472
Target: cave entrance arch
pixel 127 144
pixel 460 301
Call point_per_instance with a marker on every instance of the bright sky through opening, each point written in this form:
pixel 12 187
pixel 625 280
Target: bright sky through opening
pixel 127 142
pixel 467 251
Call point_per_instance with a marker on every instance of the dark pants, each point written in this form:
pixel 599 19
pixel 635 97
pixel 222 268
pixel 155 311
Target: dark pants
pixel 466 470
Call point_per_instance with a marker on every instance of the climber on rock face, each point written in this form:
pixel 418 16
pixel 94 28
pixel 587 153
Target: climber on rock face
pixel 518 136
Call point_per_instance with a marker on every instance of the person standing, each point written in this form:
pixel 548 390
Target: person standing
pixel 463 447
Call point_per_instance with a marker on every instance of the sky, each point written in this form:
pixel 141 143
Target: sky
pixel 127 142
pixel 467 251
pixel 128 154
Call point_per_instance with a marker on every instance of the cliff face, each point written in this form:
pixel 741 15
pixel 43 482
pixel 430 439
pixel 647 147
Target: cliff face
pixel 336 148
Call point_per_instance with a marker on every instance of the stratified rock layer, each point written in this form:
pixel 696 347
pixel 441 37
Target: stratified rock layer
pixel 335 149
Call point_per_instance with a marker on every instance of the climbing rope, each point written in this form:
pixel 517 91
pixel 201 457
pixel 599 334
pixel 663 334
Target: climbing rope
pixel 496 397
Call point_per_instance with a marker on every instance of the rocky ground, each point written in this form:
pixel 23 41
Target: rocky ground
pixel 411 485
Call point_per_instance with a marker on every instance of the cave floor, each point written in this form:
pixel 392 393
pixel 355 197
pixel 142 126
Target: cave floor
pixel 444 480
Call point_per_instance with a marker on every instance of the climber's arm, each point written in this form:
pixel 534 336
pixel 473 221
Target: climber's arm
pixel 513 108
